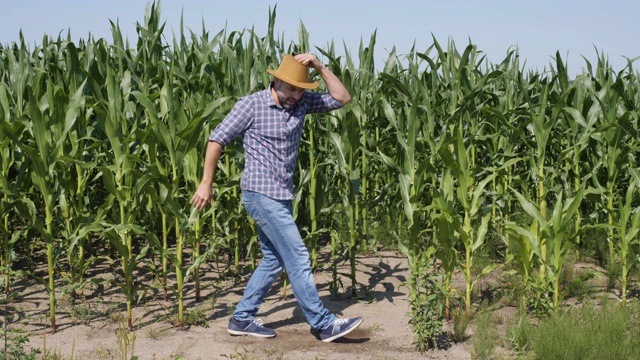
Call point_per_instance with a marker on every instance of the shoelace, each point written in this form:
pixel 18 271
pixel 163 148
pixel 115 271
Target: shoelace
pixel 258 322
pixel 339 322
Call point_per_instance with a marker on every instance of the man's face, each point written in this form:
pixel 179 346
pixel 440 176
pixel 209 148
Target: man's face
pixel 288 95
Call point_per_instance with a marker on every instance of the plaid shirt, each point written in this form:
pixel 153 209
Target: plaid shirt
pixel 271 136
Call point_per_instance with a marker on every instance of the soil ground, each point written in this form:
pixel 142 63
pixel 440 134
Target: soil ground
pixel 92 328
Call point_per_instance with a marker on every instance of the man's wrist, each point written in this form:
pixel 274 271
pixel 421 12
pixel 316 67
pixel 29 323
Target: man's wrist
pixel 320 67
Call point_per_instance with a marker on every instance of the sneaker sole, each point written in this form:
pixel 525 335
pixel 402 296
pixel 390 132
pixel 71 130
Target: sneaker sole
pixel 240 333
pixel 344 333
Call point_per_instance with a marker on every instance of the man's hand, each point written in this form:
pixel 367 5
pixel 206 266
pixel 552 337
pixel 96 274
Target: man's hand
pixel 203 195
pixel 334 85
pixel 309 60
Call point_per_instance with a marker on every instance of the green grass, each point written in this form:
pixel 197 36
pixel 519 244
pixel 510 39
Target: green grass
pixel 460 324
pixel 607 332
pixel 485 337
pixel 520 334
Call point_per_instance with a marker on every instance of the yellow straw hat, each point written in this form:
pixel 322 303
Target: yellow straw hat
pixel 294 73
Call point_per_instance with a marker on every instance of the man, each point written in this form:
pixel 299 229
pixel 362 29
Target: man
pixel 270 123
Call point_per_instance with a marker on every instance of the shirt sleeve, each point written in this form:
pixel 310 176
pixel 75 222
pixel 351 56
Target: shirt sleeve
pixel 321 102
pixel 234 124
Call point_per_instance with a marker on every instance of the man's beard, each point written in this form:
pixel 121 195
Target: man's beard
pixel 288 105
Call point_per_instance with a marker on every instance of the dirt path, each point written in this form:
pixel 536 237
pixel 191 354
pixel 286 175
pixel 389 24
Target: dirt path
pixel 89 329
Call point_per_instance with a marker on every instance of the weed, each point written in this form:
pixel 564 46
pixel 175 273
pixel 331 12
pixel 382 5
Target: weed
pixel 589 332
pixel 155 333
pixel 485 337
pixel 126 342
pixel 536 296
pixel 460 324
pixel 374 327
pixel 196 316
pixel 427 306
pixel 520 334
pixel 14 348
pixel 55 355
pixel 273 353
pixel 83 313
pixel 269 354
pixel 14 341
pixel 117 317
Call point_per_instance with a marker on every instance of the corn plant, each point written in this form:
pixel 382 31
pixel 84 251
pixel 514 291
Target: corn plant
pixel 9 188
pixel 191 174
pixel 318 182
pixel 122 177
pixel 346 146
pixel 470 192
pixel 628 228
pixel 441 211
pixel 542 127
pixel 613 152
pixel 178 132
pixel 559 237
pixel 412 169
pixel 359 80
pixel 581 130
pixel 51 125
pixel 16 71
pixel 79 177
pixel 501 138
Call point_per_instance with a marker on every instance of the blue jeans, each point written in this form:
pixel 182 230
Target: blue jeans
pixel 282 247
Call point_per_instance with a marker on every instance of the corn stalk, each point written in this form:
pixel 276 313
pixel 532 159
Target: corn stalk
pixel 346 147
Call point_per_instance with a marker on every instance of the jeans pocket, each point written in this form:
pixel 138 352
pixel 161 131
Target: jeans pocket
pixel 251 202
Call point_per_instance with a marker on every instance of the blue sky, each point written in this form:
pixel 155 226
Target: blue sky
pixel 575 28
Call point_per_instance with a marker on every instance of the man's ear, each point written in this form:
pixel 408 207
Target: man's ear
pixel 277 83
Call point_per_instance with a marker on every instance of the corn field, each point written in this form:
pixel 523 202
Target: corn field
pixel 441 155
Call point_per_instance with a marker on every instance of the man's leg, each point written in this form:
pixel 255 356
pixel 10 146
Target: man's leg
pixel 260 282
pixel 243 321
pixel 275 219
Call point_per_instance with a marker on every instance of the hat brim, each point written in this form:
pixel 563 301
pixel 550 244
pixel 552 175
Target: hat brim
pixel 303 85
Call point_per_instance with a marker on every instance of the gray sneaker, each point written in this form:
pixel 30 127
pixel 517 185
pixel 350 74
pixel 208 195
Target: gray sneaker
pixel 249 327
pixel 339 328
